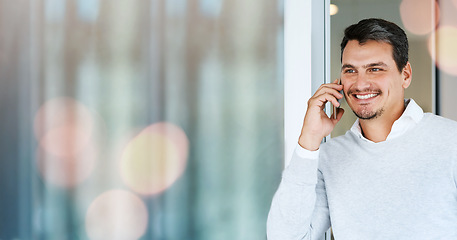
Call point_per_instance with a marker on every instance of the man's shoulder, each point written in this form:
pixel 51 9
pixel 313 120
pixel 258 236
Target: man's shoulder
pixel 343 141
pixel 439 118
pixel 438 129
pixel 438 122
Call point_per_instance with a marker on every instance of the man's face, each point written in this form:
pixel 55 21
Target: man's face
pixel 373 86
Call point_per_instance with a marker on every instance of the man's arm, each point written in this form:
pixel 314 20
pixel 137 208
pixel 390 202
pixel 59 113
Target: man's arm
pixel 299 208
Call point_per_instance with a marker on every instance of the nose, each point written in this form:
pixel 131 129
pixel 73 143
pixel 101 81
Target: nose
pixel 361 82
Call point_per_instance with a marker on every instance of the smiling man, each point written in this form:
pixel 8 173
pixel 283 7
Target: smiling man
pixel 393 175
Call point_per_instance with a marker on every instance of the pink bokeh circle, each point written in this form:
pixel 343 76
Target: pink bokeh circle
pixel 116 215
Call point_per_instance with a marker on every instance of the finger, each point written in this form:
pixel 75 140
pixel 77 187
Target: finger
pixel 322 99
pixel 337 94
pixel 329 86
pixel 335 85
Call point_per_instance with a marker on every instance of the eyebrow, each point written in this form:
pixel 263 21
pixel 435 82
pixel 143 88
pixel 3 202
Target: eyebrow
pixel 377 64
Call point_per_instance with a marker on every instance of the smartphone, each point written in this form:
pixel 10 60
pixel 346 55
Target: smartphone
pixel 339 100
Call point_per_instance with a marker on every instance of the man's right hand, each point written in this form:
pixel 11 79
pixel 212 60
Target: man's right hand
pixel 317 124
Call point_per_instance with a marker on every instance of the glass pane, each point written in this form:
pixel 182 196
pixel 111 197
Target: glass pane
pixel 445 52
pixel 140 119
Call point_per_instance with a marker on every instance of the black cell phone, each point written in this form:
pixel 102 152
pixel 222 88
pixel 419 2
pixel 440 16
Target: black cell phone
pixel 339 100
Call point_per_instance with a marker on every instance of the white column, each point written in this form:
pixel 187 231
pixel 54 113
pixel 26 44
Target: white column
pixel 297 69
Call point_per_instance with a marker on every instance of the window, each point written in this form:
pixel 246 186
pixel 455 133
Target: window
pixel 140 119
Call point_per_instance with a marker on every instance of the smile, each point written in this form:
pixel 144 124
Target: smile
pixel 366 96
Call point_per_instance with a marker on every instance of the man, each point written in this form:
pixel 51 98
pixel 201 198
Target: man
pixel 392 176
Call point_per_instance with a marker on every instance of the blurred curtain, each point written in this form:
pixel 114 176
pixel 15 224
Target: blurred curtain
pixel 139 119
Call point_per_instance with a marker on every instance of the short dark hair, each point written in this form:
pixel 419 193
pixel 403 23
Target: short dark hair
pixel 382 31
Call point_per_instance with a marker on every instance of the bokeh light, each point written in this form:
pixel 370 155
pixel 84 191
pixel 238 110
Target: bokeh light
pixel 445 49
pixel 66 172
pixel 63 126
pixel 419 17
pixel 116 215
pixel 155 158
pixel 333 9
pixel 65 129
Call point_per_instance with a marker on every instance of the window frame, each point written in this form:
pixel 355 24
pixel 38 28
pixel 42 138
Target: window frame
pixel 306 64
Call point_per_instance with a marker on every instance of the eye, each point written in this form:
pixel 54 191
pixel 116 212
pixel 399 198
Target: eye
pixel 349 71
pixel 375 69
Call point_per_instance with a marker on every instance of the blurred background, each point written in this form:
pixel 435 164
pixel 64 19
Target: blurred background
pixel 164 119
pixel 139 119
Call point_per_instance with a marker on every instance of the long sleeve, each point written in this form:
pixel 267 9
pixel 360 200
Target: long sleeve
pixel 299 209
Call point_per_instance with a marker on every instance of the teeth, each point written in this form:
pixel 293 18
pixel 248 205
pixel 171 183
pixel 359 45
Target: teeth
pixel 366 96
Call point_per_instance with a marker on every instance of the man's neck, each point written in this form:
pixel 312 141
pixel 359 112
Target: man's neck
pixel 378 129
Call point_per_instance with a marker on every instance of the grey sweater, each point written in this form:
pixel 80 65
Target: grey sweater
pixel 404 188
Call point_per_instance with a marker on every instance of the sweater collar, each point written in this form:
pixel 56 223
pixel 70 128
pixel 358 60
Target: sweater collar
pixel 410 117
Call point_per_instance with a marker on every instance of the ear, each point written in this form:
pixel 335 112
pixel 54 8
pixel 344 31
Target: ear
pixel 407 74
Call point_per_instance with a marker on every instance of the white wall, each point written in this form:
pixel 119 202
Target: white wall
pixel 297 69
